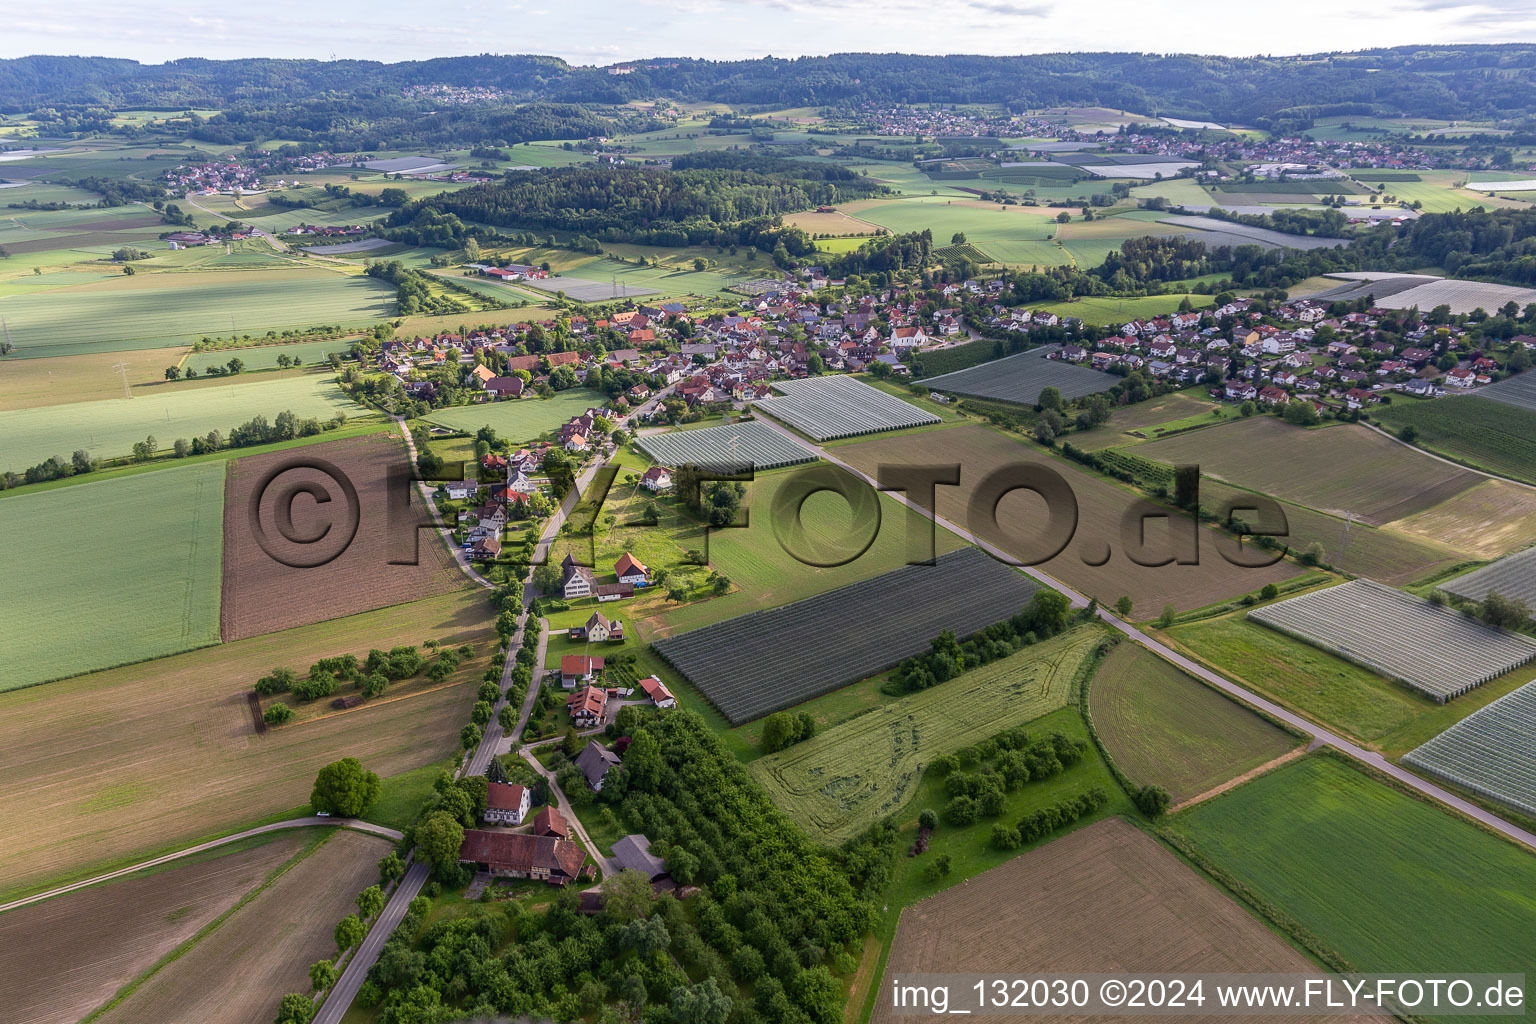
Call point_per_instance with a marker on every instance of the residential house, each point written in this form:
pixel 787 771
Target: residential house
pixel 579 582
pixel 633 853
pixel 599 630
pixel 505 387
pixel 657 478
pixel 595 762
pixel 506 804
pixel 521 855
pixel 588 705
pixel 615 591
pixel 657 691
pixel 629 570
pixel 550 822
pixel 579 668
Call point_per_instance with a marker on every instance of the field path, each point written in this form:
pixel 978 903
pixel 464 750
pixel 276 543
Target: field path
pixel 1267 766
pixel 1370 758
pixel 212 844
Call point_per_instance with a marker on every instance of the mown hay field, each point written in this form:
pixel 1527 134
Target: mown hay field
pixel 1164 727
pixel 241 970
pixel 1343 470
pixel 109 766
pixel 58 962
pixel 110 572
pixel 1106 898
pixel 153 310
pixel 109 428
pixel 1101 506
pixel 388 561
pixel 28 383
pixel 844 779
pixel 1129 424
pixel 1391 882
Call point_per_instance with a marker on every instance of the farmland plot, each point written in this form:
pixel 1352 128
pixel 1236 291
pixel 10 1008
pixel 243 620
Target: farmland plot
pixel 1485 521
pixel 1095 561
pixel 1436 650
pixel 145 586
pixel 391 559
pixel 1020 379
pixel 1496 436
pixel 519 420
pixel 1106 898
pixel 58 962
pixel 734 445
pixel 1221 232
pixel 1391 882
pixel 828 408
pixel 844 635
pixel 844 779
pixel 1346 470
pixel 1492 751
pixel 241 970
pixel 1163 727
pixel 1519 390
pixel 1513 577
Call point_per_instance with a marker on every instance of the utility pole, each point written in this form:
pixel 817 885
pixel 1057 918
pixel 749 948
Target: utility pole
pixel 122 369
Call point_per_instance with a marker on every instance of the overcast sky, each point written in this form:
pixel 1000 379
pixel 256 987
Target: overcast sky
pixel 608 31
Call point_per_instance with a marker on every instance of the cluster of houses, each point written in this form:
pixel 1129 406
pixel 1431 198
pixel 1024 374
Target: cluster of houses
pixel 1314 356
pixel 579 581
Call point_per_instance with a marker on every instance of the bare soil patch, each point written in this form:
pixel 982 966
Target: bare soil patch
pixel 351 498
pixel 59 960
pixel 1107 898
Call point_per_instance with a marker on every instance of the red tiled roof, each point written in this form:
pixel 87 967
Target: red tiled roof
pixel 519 851
pixel 504 796
pixel 550 821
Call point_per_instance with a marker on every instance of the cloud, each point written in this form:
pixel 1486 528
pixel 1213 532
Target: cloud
pixel 1008 10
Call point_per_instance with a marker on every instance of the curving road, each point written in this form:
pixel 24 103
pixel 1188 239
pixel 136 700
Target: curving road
pixel 212 844
pixel 1162 650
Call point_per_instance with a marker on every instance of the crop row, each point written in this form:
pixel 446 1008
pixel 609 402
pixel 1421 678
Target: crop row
pixel 1492 752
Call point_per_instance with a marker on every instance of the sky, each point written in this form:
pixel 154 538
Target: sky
pixel 610 31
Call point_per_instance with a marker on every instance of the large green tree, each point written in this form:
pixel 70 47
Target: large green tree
pixel 344 787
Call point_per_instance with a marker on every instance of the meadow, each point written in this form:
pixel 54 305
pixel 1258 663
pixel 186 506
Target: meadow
pixel 1018 235
pixel 1164 727
pixel 58 962
pixel 1094 561
pixel 264 357
pixel 29 383
pixel 1129 424
pixel 108 428
pixel 240 970
pixel 153 310
pixel 107 768
pixel 519 420
pixel 1112 311
pixel 1106 898
pixel 145 584
pixel 852 775
pixel 1488 435
pixel 1389 881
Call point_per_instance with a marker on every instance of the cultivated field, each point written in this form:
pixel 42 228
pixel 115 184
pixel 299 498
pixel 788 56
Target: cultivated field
pixel 1513 577
pixel 1461 296
pixel 1163 727
pixel 106 767
pixel 746 444
pixel 769 572
pixel 1215 233
pixel 28 383
pixel 1485 521
pixel 1101 508
pixel 110 427
pixel 1020 379
pixel 1494 436
pixel 1391 882
pixel 1106 898
pixel 1343 470
pixel 848 777
pixel 59 960
pixel 241 970
pixel 390 558
pixel 1129 424
pixel 1519 391
pixel 263 357
pixel 153 310
pixel 828 408
pixel 143 584
pixel 740 664
pixel 1492 751
pixel 521 420
pixel 1397 555
pixel 1434 649
pixel 1018 235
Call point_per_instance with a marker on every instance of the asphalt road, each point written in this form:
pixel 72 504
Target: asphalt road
pixel 212 844
pixel 345 990
pixel 1319 734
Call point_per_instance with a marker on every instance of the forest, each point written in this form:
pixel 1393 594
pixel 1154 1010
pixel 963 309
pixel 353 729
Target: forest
pixel 338 98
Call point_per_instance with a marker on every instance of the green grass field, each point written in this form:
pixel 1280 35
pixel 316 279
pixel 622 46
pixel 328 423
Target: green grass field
pixel 1110 311
pixel 1477 431
pixel 160 309
pixel 1164 727
pixel 263 357
pixel 111 572
pixel 523 419
pixel 109 427
pixel 848 777
pixel 1011 234
pixel 1390 882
